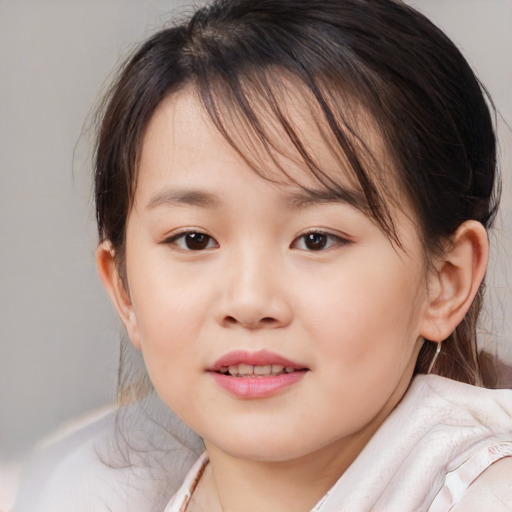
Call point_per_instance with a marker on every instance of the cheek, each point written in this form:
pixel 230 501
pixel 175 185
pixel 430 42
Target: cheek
pixel 367 317
pixel 169 325
pixel 366 343
pixel 170 309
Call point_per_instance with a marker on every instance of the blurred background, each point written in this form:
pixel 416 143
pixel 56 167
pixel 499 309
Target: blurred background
pixel 58 332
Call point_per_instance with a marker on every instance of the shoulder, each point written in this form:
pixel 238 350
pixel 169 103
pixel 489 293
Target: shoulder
pixel 491 491
pixel 116 462
pixel 67 468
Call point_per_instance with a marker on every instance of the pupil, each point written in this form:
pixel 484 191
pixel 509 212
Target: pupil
pixel 316 241
pixel 196 241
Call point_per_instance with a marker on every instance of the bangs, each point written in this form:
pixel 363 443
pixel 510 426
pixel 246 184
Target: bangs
pixel 285 129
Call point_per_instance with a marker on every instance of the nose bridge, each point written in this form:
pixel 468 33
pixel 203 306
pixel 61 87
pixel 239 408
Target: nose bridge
pixel 253 272
pixel 253 295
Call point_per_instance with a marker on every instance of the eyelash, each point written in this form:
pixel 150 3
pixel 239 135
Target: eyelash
pixel 180 240
pixel 335 240
pixel 204 241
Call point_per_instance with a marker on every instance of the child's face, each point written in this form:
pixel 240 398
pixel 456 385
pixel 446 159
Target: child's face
pixel 341 306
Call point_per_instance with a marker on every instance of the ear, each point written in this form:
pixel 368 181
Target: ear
pixel 116 288
pixel 455 281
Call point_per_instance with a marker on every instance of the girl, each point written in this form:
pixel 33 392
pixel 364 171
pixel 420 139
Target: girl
pixel 293 200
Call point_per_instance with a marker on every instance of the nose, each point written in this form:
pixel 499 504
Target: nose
pixel 253 294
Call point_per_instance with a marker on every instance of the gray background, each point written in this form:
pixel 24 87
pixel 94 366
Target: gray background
pixel 58 332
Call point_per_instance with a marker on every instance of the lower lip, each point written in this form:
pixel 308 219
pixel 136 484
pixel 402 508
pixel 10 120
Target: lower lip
pixel 257 387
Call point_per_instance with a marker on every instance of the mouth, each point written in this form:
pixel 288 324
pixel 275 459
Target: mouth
pixel 255 364
pixel 256 375
pixel 255 371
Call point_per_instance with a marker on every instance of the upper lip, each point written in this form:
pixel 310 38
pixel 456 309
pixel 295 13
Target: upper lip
pixel 260 358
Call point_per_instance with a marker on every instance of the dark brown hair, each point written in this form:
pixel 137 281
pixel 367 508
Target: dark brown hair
pixel 379 57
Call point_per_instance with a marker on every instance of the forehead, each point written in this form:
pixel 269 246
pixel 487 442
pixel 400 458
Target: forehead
pixel 300 155
pixel 284 138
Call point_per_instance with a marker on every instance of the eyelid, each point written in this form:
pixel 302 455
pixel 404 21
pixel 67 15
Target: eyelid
pixel 340 239
pixel 182 233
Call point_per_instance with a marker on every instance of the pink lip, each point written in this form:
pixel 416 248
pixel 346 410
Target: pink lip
pixel 255 387
pixel 260 358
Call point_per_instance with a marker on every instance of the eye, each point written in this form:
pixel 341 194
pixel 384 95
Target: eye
pixel 317 241
pixel 192 241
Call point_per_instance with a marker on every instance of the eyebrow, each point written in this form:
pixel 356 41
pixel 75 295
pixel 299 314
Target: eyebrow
pixel 183 198
pixel 309 197
pixel 297 200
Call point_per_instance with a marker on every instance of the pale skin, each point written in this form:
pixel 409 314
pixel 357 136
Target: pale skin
pixel 353 311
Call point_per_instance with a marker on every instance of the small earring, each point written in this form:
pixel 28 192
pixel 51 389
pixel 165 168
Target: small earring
pixel 434 359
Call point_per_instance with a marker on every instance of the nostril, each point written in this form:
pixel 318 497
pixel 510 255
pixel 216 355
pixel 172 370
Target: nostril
pixel 230 320
pixel 265 321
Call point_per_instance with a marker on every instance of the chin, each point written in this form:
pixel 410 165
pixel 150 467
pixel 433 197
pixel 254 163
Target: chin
pixel 265 448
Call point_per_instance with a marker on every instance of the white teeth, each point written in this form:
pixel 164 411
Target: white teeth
pixel 245 369
pixel 249 370
pixel 263 370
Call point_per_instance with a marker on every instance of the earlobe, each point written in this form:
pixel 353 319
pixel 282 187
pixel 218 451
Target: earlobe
pixel 116 289
pixel 455 283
